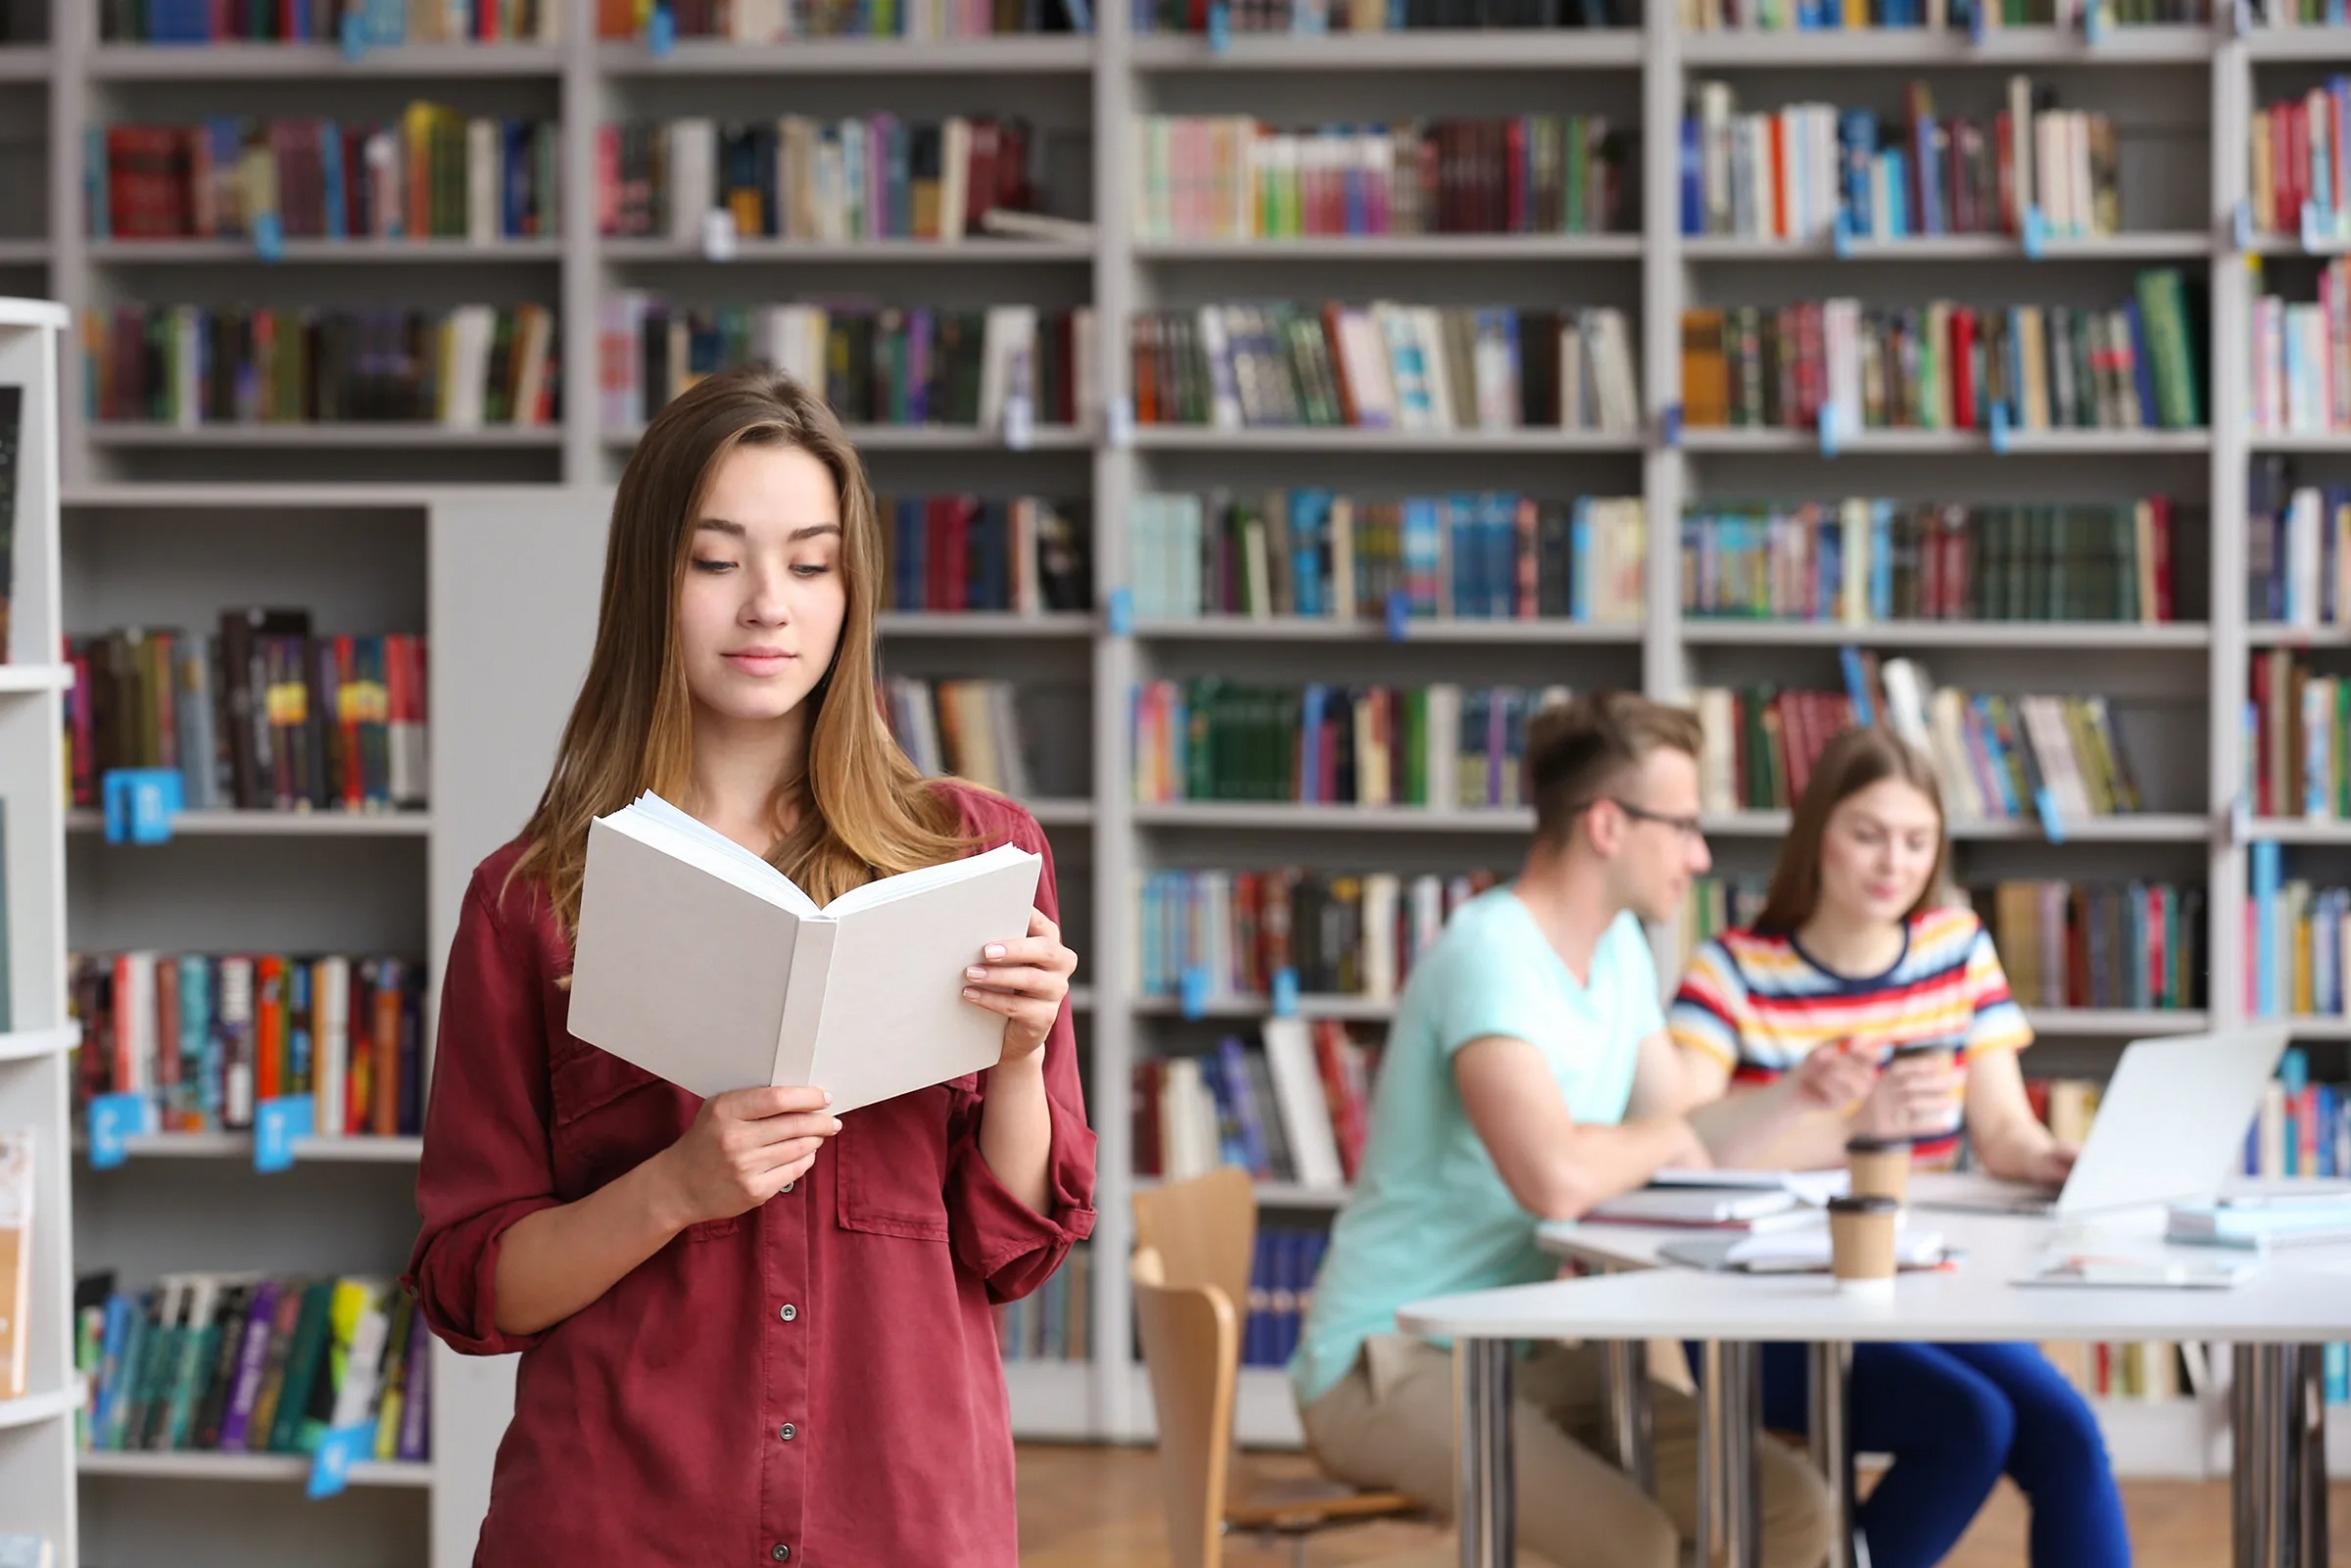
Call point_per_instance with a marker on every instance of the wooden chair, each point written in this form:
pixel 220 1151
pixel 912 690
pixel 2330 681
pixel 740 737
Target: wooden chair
pixel 1194 1244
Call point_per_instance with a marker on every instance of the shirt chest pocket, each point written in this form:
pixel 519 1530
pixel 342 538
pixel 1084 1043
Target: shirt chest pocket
pixel 610 1116
pixel 890 1173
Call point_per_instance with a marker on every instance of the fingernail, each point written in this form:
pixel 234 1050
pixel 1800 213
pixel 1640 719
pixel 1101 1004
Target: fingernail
pixel 995 950
pixel 975 972
pixel 970 995
pixel 828 1096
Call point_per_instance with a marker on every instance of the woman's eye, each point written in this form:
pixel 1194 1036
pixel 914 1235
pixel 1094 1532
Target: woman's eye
pixel 818 569
pixel 704 565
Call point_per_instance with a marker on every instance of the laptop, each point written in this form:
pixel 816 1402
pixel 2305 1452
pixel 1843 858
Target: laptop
pixel 2170 1124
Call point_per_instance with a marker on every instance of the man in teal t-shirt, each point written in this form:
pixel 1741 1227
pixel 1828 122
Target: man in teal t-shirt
pixel 1528 1075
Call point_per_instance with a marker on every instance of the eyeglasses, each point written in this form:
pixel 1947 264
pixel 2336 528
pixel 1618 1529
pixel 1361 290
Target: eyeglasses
pixel 1688 827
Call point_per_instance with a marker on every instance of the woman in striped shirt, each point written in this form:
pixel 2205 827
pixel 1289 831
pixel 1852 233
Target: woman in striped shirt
pixel 1854 952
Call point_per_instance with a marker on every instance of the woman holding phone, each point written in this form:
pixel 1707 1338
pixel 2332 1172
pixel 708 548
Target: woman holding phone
pixel 1854 952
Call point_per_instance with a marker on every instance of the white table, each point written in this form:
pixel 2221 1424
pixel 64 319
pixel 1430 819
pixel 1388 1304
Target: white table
pixel 2300 1301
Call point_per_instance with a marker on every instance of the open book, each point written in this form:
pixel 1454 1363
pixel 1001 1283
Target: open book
pixel 702 963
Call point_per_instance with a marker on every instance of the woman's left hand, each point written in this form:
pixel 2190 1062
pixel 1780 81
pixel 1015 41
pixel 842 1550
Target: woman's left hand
pixel 1026 981
pixel 2049 1166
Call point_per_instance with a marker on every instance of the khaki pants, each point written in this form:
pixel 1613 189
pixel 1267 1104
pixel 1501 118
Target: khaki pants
pixel 1389 1424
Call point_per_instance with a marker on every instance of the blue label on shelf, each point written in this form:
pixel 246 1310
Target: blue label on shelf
pixel 1220 27
pixel 269 236
pixel 1122 612
pixel 139 803
pixel 661 32
pixel 2001 429
pixel 1285 992
pixel 2241 17
pixel 1828 430
pixel 1399 614
pixel 2094 21
pixel 1979 21
pixel 276 1124
pixel 1121 412
pixel 2241 224
pixel 1841 237
pixel 1672 422
pixel 339 1448
pixel 2036 233
pixel 2316 228
pixel 112 1121
pixel 354 37
pixel 2045 805
pixel 1195 992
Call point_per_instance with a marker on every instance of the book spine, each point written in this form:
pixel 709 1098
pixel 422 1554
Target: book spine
pixel 799 1034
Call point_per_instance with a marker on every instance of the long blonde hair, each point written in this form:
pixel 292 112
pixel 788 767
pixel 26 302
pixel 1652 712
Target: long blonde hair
pixel 858 809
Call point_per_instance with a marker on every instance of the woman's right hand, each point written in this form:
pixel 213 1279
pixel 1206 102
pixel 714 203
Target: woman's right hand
pixel 744 1146
pixel 1916 1097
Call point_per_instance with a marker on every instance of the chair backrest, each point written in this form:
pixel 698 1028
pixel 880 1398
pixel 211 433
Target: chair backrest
pixel 1204 1229
pixel 1191 1338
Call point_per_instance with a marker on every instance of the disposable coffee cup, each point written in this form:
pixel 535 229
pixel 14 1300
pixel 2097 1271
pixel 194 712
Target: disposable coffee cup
pixel 1879 1167
pixel 1861 1242
pixel 1941 1054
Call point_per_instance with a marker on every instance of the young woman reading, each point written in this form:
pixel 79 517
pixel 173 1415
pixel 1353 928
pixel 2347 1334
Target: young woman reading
pixel 1853 954
pixel 750 1330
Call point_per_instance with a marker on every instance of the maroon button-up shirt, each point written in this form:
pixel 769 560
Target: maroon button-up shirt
pixel 815 1381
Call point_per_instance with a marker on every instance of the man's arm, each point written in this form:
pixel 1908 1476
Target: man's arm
pixel 1555 1167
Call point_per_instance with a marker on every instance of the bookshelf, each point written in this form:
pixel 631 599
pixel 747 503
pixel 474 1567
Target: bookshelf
pixel 447 500
pixel 37 1427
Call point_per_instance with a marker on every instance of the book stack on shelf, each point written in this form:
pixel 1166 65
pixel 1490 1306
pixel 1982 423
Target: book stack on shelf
pixel 223 1364
pixel 1315 555
pixel 768 21
pixel 968 555
pixel 382 23
pixel 1293 1112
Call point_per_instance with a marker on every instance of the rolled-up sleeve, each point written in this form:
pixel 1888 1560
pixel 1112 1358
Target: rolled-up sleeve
pixel 486 1161
pixel 995 1235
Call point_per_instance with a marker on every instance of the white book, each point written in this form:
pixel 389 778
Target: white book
pixel 1299 1098
pixel 700 962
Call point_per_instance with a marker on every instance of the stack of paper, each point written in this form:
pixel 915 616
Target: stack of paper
pixel 2258 1221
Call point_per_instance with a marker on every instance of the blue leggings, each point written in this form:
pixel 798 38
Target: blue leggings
pixel 1954 1418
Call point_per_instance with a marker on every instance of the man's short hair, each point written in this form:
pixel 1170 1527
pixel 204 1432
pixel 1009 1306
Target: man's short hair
pixel 1580 749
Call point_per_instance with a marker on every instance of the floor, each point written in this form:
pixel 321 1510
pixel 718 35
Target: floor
pixel 1099 1508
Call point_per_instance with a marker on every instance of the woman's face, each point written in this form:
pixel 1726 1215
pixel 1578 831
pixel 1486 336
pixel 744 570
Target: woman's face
pixel 760 611
pixel 1878 851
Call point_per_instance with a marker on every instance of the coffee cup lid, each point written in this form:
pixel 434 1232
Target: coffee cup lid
pixel 1858 1145
pixel 1862 1203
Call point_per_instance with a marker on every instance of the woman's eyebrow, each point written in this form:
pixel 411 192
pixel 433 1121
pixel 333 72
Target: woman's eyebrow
pixel 805 531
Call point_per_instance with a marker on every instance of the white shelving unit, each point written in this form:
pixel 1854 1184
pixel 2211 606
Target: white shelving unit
pixel 452 494
pixel 37 1430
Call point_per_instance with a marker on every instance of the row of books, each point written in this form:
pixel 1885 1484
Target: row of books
pixel 961 552
pixel 228 1363
pixel 1996 757
pixel 1231 177
pixel 864 177
pixel 381 22
pixel 435 174
pixel 2297 549
pixel 1805 170
pixel 1054 1322
pixel 767 21
pixel 997 369
pixel 1218 937
pixel 2296 932
pixel 2297 730
pixel 2301 370
pixel 1311 553
pixel 1386 366
pixel 1374 16
pixel 1860 560
pixel 1442 747
pixel 195 365
pixel 200 1037
pixel 2297 146
pixel 1844 366
pixel 263 715
pixel 1930 15
pixel 1294 1109
pixel 970 728
pixel 2136 945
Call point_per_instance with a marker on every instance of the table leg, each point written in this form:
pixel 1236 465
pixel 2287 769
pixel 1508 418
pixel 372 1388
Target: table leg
pixel 1832 1451
pixel 1484 1502
pixel 2271 1474
pixel 1730 1515
pixel 1628 1412
pixel 2247 1461
pixel 2309 1420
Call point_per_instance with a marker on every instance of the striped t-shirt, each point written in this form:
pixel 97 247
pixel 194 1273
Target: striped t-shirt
pixel 1759 1003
